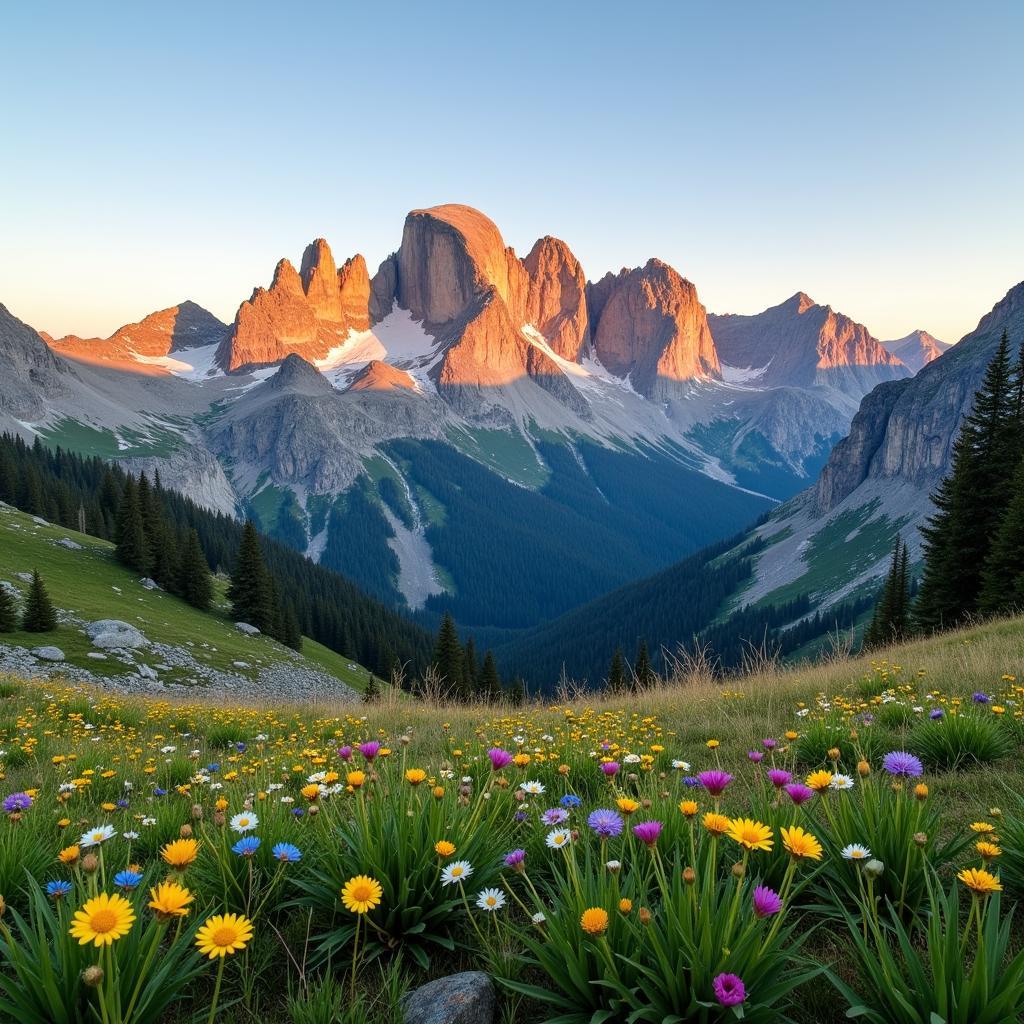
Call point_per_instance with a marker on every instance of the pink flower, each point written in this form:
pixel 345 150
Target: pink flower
pixel 729 990
pixel 647 831
pixel 369 750
pixel 779 777
pixel 499 758
pixel 715 781
pixel 766 901
pixel 610 767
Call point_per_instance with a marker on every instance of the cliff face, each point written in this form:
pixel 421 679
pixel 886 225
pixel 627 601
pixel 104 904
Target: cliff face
pixel 32 374
pixel 906 431
pixel 556 298
pixel 651 327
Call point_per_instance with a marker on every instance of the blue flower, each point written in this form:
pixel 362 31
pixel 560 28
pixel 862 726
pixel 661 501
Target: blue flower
pixel 570 800
pixel 57 890
pixel 286 852
pixel 213 768
pixel 935 714
pixel 246 846
pixel 979 697
pixel 691 781
pixel 298 812
pixel 240 747
pixel 127 880
pixel 159 792
pixel 122 803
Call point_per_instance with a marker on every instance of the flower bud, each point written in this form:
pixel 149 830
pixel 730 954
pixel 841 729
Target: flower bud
pixel 834 753
pixel 219 819
pixel 197 812
pixel 920 791
pixel 738 870
pixel 874 868
pixel 625 906
pixel 994 812
pixel 313 810
pixel 645 804
pixel 185 831
pixel 863 769
pixel 920 839
pixel 93 976
pixel 689 875
pixel 90 863
pixel 645 916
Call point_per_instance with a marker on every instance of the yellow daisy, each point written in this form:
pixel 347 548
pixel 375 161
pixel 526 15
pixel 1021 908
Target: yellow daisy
pixel 223 934
pixel 361 894
pixel 102 920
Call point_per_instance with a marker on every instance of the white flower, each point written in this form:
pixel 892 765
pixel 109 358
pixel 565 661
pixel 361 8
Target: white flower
pixel 534 788
pixel 683 766
pixel 262 737
pixel 130 836
pixel 538 918
pixel 613 865
pixel 244 822
pixel 456 872
pixel 97 835
pixel 67 787
pixel 168 750
pixel 558 838
pixel 856 852
pixel 273 787
pixel 148 822
pixel 803 712
pixel 841 782
pixel 490 899
pixel 631 759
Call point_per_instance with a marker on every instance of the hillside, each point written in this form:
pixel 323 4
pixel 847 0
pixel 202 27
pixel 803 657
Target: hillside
pixel 187 650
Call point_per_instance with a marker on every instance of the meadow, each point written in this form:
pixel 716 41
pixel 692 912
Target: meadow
pixel 804 844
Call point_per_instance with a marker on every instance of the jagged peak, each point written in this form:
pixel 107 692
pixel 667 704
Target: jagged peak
pixel 298 374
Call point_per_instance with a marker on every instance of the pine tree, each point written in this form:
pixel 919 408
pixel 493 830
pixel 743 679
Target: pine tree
pixel 970 501
pixel 1002 591
pixel 643 674
pixel 890 621
pixel 291 634
pixel 490 681
pixel 517 691
pixel 130 537
pixel 194 582
pixel 448 654
pixel 372 692
pixel 39 615
pixel 249 591
pixel 616 681
pixel 8 612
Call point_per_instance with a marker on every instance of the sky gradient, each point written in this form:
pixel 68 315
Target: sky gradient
pixel 870 154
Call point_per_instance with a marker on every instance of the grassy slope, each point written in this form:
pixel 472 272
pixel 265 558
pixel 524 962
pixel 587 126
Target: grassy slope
pixel 84 582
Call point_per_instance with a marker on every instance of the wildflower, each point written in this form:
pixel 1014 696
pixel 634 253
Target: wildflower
pixel 819 780
pixel 757 756
pixel 766 901
pixel 58 890
pixel 555 816
pixel 863 769
pixel 614 866
pixel 605 823
pixel 610 767
pixel 127 880
pixel 16 803
pixel 414 776
pixel 570 800
pixel 716 824
pixel 286 852
pixel 533 788
pixel 854 851
pixel 751 835
pixel 647 832
pixel 97 836
pixel 625 906
pixel 935 714
pixel 982 827
pixel 223 934
pixel 538 918
pixel 355 779
pixel 779 777
pixel 499 758
pixel 244 822
pixel 168 899
pixel 490 899
pixel 901 764
pixel 689 875
pixel 456 872
pixel 594 921
pixel 558 838
pixel 688 808
pixel 980 698
pixel 729 990
pixel 516 860
pixel 310 792
pixel 715 781
pixel 799 793
pixel 979 881
pixel 443 848
pixel 800 844
pixel 369 750
pixel 626 805
pixel 180 853
pixel 841 782
pixel 246 846
pixel 102 920
pixel 874 868
pixel 69 855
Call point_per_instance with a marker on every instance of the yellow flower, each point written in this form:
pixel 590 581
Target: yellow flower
pixel 791 735
pixel 180 853
pixel 819 780
pixel 310 792
pixel 361 894
pixel 594 921
pixel 438 792
pixel 982 827
pixel 443 848
pixel 921 791
pixel 223 934
pixel 414 776
pixel 751 835
pixel 355 779
pixel 221 805
pixel 987 851
pixel 716 824
pixel 711 744
pixel 625 906
pixel 688 808
pixel 800 844
pixel 69 855
pixel 979 881
pixel 626 805
pixel 102 920
pixel 169 899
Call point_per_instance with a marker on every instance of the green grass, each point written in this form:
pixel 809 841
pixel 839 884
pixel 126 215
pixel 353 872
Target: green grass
pixel 504 451
pixel 83 583
pixel 158 440
pixel 266 503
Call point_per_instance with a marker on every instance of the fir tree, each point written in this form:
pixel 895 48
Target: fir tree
pixel 448 654
pixel 490 681
pixel 1002 591
pixel 616 681
pixel 372 692
pixel 249 591
pixel 130 537
pixel 194 582
pixel 970 501
pixel 643 674
pixel 517 691
pixel 8 612
pixel 39 615
pixel 890 621
pixel 291 633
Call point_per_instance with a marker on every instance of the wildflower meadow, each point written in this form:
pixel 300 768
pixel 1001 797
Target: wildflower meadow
pixel 703 855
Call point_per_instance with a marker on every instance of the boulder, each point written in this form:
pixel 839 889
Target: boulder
pixel 146 672
pixel 241 664
pixel 111 634
pixel 48 653
pixel 466 998
pixel 245 627
pixel 149 584
pixel 25 577
pixel 39 521
pixel 96 655
pixel 67 542
pixel 10 589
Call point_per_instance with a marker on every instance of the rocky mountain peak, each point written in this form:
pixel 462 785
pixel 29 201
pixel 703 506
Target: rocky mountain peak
pixel 556 297
pixel 296 374
pixel 320 283
pixel 916 350
pixel 380 376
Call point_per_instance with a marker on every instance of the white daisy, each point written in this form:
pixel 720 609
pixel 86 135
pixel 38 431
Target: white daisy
pixel 558 838
pixel 456 872
pixel 538 918
pixel 97 835
pixel 490 899
pixel 841 782
pixel 244 822
pixel 534 788
pixel 856 852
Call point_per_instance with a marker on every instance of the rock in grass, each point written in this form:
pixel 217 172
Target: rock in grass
pixel 48 653
pixel 112 634
pixel 466 998
pixel 245 627
pixel 70 544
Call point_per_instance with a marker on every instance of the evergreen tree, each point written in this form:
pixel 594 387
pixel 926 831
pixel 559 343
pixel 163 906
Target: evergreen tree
pixel 291 634
pixel 643 674
pixel 372 692
pixel 1002 591
pixel 249 591
pixel 448 654
pixel 194 582
pixel 970 501
pixel 616 681
pixel 130 537
pixel 39 615
pixel 8 612
pixel 890 621
pixel 490 681
pixel 471 670
pixel 517 691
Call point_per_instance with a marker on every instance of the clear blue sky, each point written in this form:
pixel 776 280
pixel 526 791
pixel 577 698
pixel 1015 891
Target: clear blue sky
pixel 869 154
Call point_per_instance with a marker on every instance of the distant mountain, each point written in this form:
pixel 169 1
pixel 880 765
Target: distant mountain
pixel 917 349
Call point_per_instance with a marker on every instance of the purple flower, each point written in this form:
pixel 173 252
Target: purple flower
pixel 521 816
pixel 769 744
pixel 647 831
pixel 345 753
pixel 936 713
pixel 607 824
pixel 17 802
pixel 729 990
pixel 715 781
pixel 499 758
pixel 610 767
pixel 515 859
pixel 555 816
pixel 779 777
pixel 369 750
pixel 979 698
pixel 766 901
pixel 799 793
pixel 900 763
pixel 757 756
pixel 691 781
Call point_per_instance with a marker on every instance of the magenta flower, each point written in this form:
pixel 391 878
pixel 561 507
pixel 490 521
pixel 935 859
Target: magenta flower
pixel 715 781
pixel 756 756
pixel 769 744
pixel 766 901
pixel 516 859
pixel 345 753
pixel 369 750
pixel 499 758
pixel 610 767
pixel 729 990
pixel 647 831
pixel 799 793
pixel 779 777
